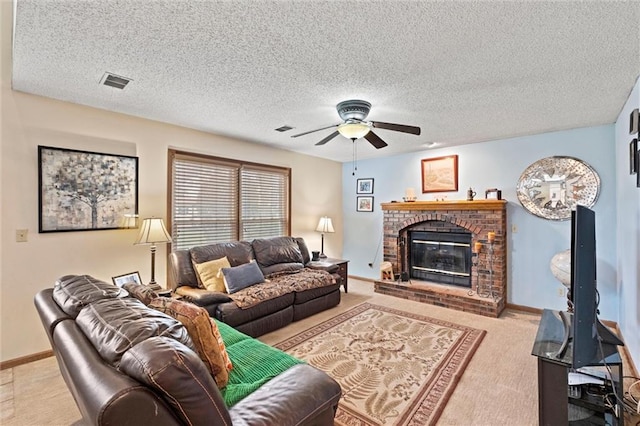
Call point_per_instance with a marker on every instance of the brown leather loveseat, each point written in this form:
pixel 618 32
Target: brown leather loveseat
pixel 128 364
pixel 296 286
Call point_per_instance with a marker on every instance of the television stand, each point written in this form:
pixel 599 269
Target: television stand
pixel 581 403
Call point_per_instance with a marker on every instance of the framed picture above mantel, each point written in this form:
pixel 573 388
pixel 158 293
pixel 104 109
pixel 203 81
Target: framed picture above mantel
pixel 440 174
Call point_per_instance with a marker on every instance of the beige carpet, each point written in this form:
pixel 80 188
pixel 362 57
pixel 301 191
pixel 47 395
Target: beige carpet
pixel 394 367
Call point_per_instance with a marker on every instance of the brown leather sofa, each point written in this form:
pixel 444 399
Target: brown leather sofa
pixel 153 377
pixel 275 256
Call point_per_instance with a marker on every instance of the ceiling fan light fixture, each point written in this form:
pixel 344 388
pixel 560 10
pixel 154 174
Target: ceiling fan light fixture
pixel 353 130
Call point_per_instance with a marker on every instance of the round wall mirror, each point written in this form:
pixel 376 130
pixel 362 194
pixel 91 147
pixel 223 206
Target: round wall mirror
pixel 550 188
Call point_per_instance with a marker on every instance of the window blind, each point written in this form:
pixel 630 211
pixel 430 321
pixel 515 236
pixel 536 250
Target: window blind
pixel 217 200
pixel 264 201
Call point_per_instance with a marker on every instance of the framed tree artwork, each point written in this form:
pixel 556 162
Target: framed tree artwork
pixel 85 191
pixel 440 174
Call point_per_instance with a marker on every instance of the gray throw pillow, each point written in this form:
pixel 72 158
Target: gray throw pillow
pixel 242 276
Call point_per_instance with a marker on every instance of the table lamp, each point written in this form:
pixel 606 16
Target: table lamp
pixel 324 225
pixel 152 231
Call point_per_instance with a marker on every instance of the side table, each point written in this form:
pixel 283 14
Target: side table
pixel 342 269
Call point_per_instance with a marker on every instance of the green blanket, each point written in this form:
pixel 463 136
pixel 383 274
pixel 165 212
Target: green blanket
pixel 254 363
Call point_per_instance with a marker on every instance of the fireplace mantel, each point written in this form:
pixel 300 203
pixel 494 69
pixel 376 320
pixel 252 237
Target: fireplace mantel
pixel 447 205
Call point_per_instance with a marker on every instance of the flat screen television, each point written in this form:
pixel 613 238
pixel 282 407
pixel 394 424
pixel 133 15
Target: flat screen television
pixel 582 328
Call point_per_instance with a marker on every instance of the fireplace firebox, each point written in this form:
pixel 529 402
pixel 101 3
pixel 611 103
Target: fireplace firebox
pixel 442 257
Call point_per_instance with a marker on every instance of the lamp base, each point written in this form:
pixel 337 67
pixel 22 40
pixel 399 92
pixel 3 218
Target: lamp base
pixel 322 256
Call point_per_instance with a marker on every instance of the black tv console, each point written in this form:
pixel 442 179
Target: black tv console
pixel 578 404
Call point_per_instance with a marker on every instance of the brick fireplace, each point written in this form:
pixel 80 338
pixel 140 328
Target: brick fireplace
pixel 456 217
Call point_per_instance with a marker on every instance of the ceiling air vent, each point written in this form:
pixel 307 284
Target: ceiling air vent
pixel 283 128
pixel 113 80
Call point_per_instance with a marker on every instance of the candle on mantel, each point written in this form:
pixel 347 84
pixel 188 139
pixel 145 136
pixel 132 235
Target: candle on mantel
pixel 410 194
pixel 491 236
pixel 477 247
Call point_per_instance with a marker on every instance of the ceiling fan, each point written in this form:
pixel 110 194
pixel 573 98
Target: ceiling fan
pixel 353 113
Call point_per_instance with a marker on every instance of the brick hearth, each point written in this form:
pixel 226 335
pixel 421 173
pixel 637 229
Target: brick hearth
pixel 477 217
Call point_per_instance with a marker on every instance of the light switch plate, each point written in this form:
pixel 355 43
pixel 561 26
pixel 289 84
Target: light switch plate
pixel 21 235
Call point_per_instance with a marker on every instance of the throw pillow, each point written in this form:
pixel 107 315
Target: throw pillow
pixel 196 321
pixel 210 275
pixel 143 293
pixel 223 347
pixel 242 276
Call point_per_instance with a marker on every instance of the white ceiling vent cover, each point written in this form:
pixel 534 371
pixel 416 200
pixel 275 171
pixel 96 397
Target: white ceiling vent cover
pixel 113 80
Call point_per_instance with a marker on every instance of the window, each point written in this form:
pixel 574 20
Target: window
pixel 216 200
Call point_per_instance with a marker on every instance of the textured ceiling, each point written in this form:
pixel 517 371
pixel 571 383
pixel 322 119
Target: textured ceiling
pixel 464 72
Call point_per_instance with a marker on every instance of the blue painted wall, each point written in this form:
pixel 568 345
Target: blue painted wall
pixel 498 164
pixel 628 231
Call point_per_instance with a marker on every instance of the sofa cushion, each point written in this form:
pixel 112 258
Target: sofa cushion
pixel 200 328
pixel 74 292
pixel 232 314
pixel 314 293
pixel 281 267
pixel 269 251
pixel 304 250
pixel 237 252
pixel 143 293
pixel 116 325
pixel 281 284
pixel 238 277
pixel 176 373
pixel 210 275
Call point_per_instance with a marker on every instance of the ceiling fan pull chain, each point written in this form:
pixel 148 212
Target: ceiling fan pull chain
pixel 354 161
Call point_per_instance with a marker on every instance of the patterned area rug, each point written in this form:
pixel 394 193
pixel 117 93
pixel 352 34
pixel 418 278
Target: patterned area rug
pixel 394 367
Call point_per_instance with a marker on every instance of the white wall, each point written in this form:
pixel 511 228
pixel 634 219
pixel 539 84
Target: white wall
pixel 628 230
pixel 26 268
pixel 498 164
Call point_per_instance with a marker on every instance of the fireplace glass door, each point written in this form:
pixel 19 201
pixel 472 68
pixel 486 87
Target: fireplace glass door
pixel 443 257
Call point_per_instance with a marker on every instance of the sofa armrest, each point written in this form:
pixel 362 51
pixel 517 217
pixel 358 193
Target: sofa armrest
pixel 323 266
pixel 202 297
pixel 302 395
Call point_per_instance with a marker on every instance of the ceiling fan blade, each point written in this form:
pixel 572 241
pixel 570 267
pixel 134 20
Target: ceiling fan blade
pixel 397 127
pixel 328 138
pixel 375 140
pixel 316 130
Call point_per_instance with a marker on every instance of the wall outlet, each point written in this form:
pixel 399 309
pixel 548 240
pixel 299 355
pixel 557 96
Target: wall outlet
pixel 514 229
pixel 21 235
pixel 560 291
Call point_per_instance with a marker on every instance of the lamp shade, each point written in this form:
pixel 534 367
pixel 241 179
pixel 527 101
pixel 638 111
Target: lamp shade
pixel 325 225
pixel 152 231
pixel 129 221
pixel 353 130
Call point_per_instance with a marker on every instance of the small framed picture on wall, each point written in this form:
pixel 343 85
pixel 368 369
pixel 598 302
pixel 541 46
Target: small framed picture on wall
pixel 634 118
pixel 364 186
pixel 633 162
pixel 364 204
